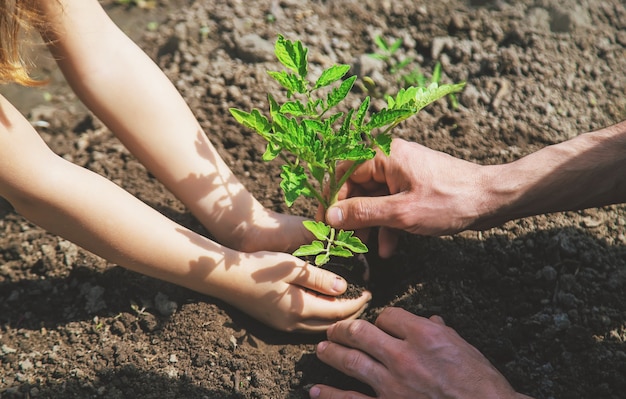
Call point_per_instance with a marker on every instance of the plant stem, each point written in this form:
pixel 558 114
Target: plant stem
pixel 331 240
pixel 334 194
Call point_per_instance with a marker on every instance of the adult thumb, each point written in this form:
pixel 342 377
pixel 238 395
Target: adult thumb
pixel 362 212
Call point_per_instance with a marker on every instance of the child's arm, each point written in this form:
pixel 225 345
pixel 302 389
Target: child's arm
pixel 133 97
pixel 98 215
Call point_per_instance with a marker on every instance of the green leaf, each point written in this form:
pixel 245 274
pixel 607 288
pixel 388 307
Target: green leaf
pixel 387 116
pixel 339 93
pixel 357 153
pixel 295 108
pixel 340 251
pixel 289 81
pixel 274 108
pixel 360 115
pixel 436 73
pixel 318 172
pixel 353 243
pixel 292 55
pixel 433 93
pixel 396 45
pixel 294 183
pixel 253 120
pixel 320 230
pixel 381 57
pixel 383 141
pixel 404 97
pixel 404 63
pixel 331 75
pixel 381 43
pixel 321 260
pixel 271 151
pixel 313 248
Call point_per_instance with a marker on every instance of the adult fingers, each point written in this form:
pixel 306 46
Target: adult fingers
pixel 387 242
pixel 400 323
pixel 437 319
pixel 361 212
pixel 325 392
pixel 364 336
pixel 352 362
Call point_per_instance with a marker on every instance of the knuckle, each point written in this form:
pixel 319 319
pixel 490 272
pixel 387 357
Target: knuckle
pixel 354 363
pixel 361 211
pixel 356 329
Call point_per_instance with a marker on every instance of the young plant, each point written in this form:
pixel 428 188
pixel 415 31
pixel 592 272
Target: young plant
pixel 312 135
pixel 387 51
pixel 417 78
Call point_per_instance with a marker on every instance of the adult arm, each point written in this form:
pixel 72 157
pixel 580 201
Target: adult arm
pixel 404 356
pixel 131 95
pixel 431 193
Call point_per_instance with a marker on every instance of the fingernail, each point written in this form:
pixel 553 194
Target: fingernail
pixel 321 347
pixel 334 215
pixel 340 285
pixel 314 392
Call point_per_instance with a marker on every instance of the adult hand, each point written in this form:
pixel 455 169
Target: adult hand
pixel 407 356
pixel 416 189
pixel 287 293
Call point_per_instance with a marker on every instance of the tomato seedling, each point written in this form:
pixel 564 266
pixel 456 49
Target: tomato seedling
pixel 312 137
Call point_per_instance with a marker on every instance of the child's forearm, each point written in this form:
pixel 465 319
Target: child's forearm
pixel 132 96
pixel 89 210
pixel 584 172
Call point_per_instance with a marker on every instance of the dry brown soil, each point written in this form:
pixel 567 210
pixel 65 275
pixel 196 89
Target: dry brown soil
pixel 543 297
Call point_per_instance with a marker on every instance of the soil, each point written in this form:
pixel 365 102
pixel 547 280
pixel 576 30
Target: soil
pixel 543 298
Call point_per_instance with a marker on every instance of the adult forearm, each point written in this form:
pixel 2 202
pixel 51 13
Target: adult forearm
pixel 584 172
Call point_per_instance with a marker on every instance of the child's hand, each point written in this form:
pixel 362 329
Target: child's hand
pixel 287 293
pixel 271 231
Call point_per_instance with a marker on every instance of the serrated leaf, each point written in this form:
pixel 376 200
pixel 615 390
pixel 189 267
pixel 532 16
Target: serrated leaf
pixel 383 141
pixel 344 130
pixel 387 116
pixel 339 93
pixel 320 230
pixel 360 115
pixel 331 75
pixel 253 120
pixel 348 240
pixel 274 107
pixel 293 183
pixel 321 260
pixel 357 153
pixel 280 123
pixel 271 152
pixel 340 251
pixel 318 172
pixel 314 125
pixel 292 55
pixel 289 81
pixel 311 249
pixel 404 97
pixel 295 108
pixel 434 92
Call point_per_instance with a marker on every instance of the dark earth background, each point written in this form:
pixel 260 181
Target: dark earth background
pixel 543 298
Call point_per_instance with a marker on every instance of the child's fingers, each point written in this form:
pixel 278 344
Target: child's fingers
pixel 320 313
